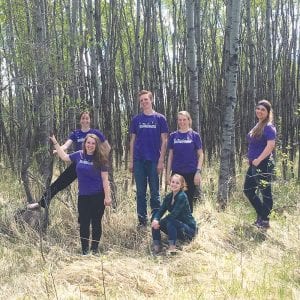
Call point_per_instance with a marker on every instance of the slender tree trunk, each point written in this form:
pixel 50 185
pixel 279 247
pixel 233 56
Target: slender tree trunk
pixel 192 64
pixel 225 176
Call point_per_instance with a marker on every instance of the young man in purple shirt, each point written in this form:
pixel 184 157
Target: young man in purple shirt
pixel 261 139
pixel 149 132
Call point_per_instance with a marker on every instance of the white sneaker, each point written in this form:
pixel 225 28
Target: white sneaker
pixel 33 206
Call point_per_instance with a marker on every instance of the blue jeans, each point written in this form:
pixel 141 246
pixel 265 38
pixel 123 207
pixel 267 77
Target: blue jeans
pixel 174 229
pixel 259 179
pixel 145 171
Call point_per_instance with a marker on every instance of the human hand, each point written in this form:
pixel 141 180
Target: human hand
pixel 255 162
pixel 197 178
pixel 107 201
pixel 53 139
pixel 160 166
pixel 155 224
pixel 130 166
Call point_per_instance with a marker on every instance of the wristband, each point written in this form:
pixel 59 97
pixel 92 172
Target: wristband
pixel 198 171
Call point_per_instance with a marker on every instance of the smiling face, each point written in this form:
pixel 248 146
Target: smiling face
pixel 85 121
pixel 90 145
pixel 261 112
pixel 145 102
pixel 183 122
pixel 176 183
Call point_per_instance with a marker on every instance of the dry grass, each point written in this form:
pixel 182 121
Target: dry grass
pixel 229 259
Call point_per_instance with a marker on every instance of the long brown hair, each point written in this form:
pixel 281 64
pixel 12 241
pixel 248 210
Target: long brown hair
pixel 258 129
pixel 100 156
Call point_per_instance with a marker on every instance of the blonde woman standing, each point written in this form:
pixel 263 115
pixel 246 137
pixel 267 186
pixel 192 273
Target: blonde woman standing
pixel 185 154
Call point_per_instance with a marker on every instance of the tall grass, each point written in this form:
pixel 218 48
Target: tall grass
pixel 229 258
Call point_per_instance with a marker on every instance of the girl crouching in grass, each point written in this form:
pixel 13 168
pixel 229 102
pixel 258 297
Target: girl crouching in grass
pixel 179 223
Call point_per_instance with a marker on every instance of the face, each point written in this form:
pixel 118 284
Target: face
pixel 261 112
pixel 90 145
pixel 175 184
pixel 145 102
pixel 183 122
pixel 85 120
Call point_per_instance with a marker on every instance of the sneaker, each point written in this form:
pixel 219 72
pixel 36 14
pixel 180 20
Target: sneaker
pixel 258 221
pixel 85 252
pixel 264 224
pixel 172 252
pixel 95 251
pixel 33 206
pixel 156 249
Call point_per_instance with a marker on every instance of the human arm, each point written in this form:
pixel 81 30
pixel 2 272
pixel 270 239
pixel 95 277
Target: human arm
pixel 266 152
pixel 106 146
pixel 169 165
pixel 158 215
pixel 197 177
pixel 65 146
pixel 106 187
pixel 61 153
pixel 163 148
pixel 131 147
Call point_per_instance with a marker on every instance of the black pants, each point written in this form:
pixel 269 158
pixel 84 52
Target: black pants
pixel 259 179
pixel 64 180
pixel 191 188
pixel 91 210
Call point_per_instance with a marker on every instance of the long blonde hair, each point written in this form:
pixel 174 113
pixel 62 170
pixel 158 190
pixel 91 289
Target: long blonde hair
pixel 258 129
pixel 100 156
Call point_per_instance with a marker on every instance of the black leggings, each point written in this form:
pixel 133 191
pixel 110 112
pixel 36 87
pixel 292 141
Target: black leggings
pixel 64 180
pixel 91 209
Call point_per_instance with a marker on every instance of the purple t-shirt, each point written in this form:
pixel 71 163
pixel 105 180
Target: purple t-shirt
pixel 148 130
pixel 257 145
pixel 78 136
pixel 89 178
pixel 185 147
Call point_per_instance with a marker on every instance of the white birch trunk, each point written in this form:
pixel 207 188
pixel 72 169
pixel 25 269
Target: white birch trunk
pixel 192 64
pixel 225 176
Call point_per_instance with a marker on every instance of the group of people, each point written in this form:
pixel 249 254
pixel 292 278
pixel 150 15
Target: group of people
pixel 149 143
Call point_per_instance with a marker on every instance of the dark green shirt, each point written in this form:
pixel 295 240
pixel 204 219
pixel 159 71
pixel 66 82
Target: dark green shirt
pixel 179 210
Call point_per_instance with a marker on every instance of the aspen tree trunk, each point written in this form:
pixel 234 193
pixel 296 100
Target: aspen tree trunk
pixel 270 79
pixel 225 176
pixel 191 64
pixel 43 100
pixel 136 61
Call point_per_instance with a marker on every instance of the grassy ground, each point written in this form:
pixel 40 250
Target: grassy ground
pixel 229 259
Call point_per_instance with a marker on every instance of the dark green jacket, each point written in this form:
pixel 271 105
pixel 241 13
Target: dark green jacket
pixel 180 210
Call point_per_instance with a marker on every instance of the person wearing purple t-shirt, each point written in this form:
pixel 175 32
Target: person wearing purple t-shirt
pixel 261 143
pixel 93 187
pixel 69 175
pixel 148 141
pixel 185 154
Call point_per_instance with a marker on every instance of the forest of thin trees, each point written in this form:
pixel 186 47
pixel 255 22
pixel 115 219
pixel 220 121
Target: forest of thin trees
pixel 213 58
